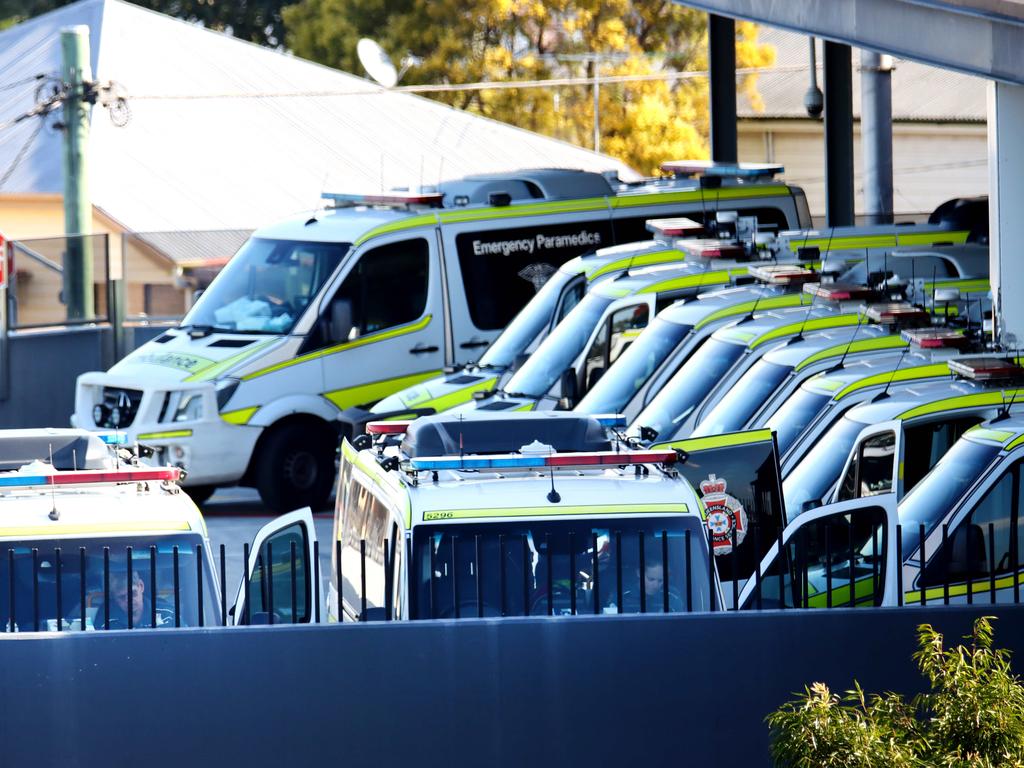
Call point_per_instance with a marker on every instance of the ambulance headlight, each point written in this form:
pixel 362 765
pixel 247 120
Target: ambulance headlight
pixel 189 406
pixel 225 389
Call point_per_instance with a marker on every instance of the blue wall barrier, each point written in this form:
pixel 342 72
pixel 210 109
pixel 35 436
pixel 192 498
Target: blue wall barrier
pixel 689 690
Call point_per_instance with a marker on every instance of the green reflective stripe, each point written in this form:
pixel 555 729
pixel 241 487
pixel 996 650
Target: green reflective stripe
pixel 459 396
pixel 936 370
pixel 881 241
pixel 863 589
pixel 1015 443
pixel 709 196
pixel 525 407
pixel 998 397
pixel 956 590
pixel 773 302
pixel 995 435
pixel 735 334
pixel 718 277
pixel 862 345
pixel 398 226
pixel 822 382
pixel 165 435
pixel 965 286
pixel 519 210
pixel 730 440
pixel 372 338
pixel 240 416
pixel 644 260
pixel 814 324
pixel 374 390
pixel 556 510
pixel 213 371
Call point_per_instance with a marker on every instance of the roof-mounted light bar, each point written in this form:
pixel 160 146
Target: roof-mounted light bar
pixel 512 462
pixel 839 291
pixel 688 168
pixel 710 249
pixel 610 420
pixel 783 274
pixel 986 368
pixel 428 199
pixel 112 438
pixel 677 227
pixel 936 338
pixel 387 427
pixel 91 476
pixel 897 313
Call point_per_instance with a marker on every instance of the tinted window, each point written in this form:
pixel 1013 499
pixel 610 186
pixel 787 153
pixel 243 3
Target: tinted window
pixel 278 590
pixel 746 396
pixel 793 416
pixel 365 528
pixel 503 269
pixel 925 444
pixel 388 286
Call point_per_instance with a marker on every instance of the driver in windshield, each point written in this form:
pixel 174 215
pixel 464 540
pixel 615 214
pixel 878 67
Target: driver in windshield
pixel 123 594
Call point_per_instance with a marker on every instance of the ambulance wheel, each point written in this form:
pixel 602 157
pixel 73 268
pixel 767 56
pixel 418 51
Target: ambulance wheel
pixel 295 466
pixel 200 494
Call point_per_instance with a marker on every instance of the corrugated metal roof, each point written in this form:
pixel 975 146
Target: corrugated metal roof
pixel 236 163
pixel 189 248
pixel 919 92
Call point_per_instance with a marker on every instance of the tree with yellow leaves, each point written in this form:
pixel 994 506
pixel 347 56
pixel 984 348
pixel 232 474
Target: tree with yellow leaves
pixel 642 122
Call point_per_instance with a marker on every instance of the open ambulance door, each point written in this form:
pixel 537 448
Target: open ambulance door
pixel 737 478
pixel 281 583
pixel 824 552
pixel 875 464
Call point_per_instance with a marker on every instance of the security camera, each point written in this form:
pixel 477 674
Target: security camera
pixel 814 102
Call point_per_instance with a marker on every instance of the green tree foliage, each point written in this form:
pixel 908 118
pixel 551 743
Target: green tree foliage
pixel 973 716
pixel 258 21
pixel 468 41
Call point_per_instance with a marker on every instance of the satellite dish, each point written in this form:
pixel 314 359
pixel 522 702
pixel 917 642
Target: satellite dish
pixel 376 62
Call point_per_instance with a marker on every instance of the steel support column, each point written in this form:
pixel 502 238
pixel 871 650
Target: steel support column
pixel 838 135
pixel 876 135
pixel 722 65
pixel 1006 201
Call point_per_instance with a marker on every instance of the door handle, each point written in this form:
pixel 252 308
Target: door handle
pixel 474 343
pixel 421 349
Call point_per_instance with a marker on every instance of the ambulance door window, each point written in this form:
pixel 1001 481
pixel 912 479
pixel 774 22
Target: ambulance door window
pixel 387 287
pixel 615 336
pixel 571 296
pixel 822 555
pixel 280 587
pixel 984 544
pixel 871 471
pixel 362 555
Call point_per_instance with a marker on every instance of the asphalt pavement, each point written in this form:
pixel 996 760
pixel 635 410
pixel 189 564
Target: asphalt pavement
pixel 235 515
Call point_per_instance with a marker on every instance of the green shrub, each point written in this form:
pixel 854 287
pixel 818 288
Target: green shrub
pixel 973 716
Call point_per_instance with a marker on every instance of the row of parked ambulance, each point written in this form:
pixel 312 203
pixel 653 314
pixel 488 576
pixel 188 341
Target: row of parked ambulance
pixel 735 412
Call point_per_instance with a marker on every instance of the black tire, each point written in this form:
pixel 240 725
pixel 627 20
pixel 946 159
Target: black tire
pixel 200 494
pixel 295 466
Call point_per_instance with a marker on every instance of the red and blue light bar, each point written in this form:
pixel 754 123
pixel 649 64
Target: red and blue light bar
pixel 387 427
pixel 517 461
pixel 87 476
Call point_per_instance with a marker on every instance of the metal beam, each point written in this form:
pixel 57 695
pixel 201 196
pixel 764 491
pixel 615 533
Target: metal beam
pixel 876 135
pixel 838 135
pixel 989 45
pixel 722 60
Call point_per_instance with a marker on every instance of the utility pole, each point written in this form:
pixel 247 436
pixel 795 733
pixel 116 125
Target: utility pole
pixel 76 72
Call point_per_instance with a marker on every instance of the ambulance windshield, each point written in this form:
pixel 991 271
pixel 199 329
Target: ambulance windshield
pixel 532 319
pixel 88 583
pixel 819 470
pixel 560 349
pixel 266 286
pixel 793 416
pixel 744 399
pixel 563 567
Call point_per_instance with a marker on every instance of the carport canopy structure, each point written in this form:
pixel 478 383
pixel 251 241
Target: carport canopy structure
pixel 978 37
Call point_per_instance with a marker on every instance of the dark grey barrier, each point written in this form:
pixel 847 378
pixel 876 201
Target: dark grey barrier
pixel 43 367
pixel 688 690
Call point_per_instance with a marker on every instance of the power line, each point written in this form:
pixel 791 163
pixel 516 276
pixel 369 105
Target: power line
pixel 456 87
pixel 21 154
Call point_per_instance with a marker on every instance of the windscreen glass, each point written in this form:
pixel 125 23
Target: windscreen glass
pixel 928 502
pixel 793 416
pixel 819 470
pixel 266 286
pixel 689 386
pixel 560 567
pixel 743 399
pixel 71 584
pixel 531 320
pixel 631 371
pixel 560 349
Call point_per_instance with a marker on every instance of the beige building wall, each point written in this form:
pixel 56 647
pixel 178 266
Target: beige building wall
pixel 39 220
pixel 932 162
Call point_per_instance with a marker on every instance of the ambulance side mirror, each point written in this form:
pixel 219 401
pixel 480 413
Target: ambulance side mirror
pixel 340 321
pixel 570 386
